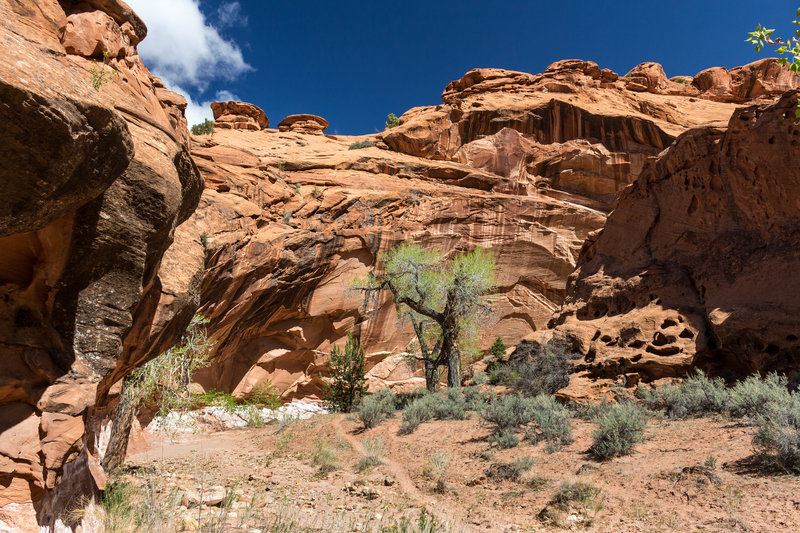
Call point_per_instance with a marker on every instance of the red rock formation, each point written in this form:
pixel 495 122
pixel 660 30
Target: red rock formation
pixel 291 218
pixel 283 245
pixel 765 78
pixel 697 266
pixel 304 124
pixel 94 183
pixel 239 116
pixel 611 126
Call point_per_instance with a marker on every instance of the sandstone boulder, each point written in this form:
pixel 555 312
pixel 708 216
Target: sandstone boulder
pixel 304 124
pixel 765 78
pixel 239 116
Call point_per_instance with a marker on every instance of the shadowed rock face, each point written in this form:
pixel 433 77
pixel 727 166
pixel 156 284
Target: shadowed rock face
pixel 697 266
pixel 93 186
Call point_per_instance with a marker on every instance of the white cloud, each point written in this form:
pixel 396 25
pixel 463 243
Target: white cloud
pixel 230 14
pixel 226 96
pixel 182 48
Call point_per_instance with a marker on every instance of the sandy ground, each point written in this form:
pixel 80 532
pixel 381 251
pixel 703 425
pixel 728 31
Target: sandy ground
pixel 662 486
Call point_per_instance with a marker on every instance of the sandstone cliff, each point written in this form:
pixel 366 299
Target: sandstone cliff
pixel 697 266
pixel 94 183
pixel 526 166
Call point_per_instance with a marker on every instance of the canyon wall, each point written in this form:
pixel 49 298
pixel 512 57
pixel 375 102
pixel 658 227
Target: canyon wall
pixel 525 166
pixel 93 184
pixel 697 266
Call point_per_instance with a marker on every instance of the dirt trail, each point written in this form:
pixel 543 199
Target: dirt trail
pixel 400 474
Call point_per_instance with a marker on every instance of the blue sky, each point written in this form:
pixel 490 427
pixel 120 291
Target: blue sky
pixel 353 62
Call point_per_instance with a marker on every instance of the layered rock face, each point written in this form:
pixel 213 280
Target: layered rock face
pixel 239 116
pixel 523 165
pixel 697 266
pixel 576 127
pixel 94 183
pixel 290 219
pixel 304 124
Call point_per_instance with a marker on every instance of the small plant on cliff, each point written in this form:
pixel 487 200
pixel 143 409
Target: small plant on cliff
pixel 317 193
pixel 789 49
pixel 361 144
pixel 100 74
pixel 346 383
pixel 204 128
pixel 392 121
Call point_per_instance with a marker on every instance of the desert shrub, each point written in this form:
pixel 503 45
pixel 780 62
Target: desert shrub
pixel 324 457
pixel 416 413
pixel 586 494
pixel 512 471
pixel 619 429
pixel 508 412
pixel 450 405
pixel 264 395
pixel 474 399
pixel 204 128
pixel 552 422
pixel 361 144
pixel 480 377
pixel 436 468
pixel 535 368
pixel 373 454
pixel 376 408
pixel 777 438
pixel 696 395
pixel 588 410
pixel 685 81
pixel 403 400
pixel 392 121
pixel 347 378
pixel 453 407
pixel 505 439
pixel 756 395
pixel 215 398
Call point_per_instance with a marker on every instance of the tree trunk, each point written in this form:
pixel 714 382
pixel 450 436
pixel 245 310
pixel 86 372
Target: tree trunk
pixel 450 342
pixel 431 375
pixel 121 428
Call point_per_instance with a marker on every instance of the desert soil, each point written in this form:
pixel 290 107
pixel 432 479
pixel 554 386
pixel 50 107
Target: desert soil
pixel 667 484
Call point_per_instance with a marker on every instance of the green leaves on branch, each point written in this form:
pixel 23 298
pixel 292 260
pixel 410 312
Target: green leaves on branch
pixel 443 298
pixel 789 49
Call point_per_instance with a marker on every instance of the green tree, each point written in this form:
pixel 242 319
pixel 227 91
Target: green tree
pixel 498 349
pixel 204 128
pixel 347 379
pixel 443 299
pixel 392 121
pixel 165 380
pixel 789 49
